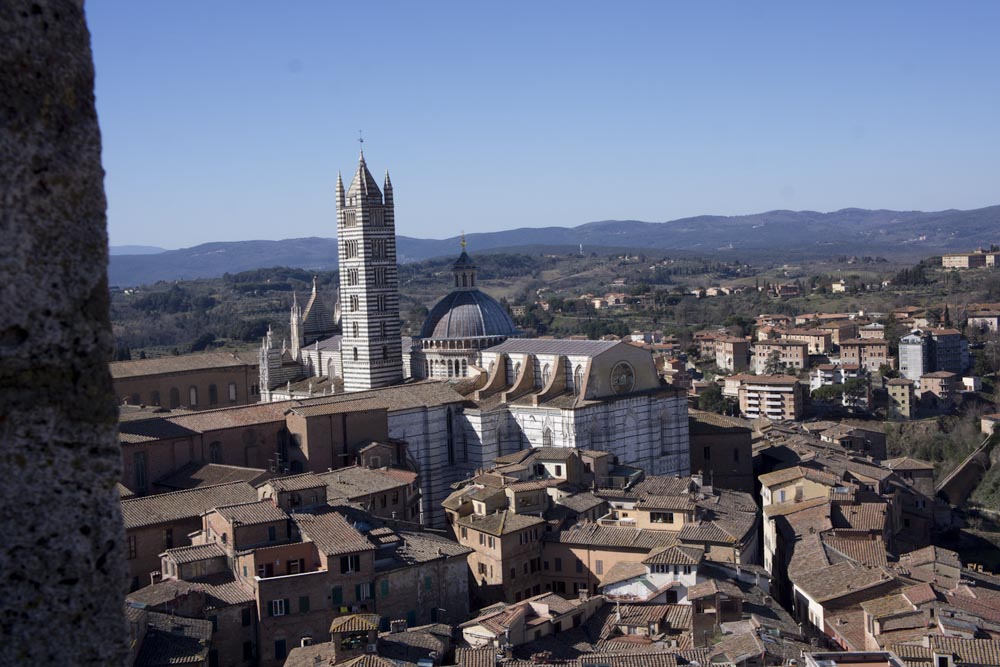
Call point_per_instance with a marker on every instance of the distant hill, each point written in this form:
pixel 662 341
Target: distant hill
pixel 784 235
pixel 135 250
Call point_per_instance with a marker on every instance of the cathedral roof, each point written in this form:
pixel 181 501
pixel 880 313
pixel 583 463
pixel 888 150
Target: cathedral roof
pixel 363 183
pixel 468 314
pixel 463 262
pixel 317 320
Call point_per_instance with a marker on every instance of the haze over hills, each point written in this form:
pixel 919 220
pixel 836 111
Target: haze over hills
pixel 786 235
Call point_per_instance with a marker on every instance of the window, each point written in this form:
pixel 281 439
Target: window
pixel 272 534
pixel 706 453
pixel 482 568
pixel 247 617
pixel 278 607
pixel 355 354
pixel 558 564
pixel 355 303
pixel 304 604
pixel 279 649
pixel 661 517
pixel 578 379
pixel 350 564
pixel 579 565
pixel 558 467
pixel 385 588
pixel 139 470
pixel 599 567
pixel 465 532
pixel 192 396
pixel 131 546
pixel 232 392
pixel 428 583
pixel 385 353
pixel 168 538
pixel 736 456
pixel 352 277
pixel 134 399
pixel 337 595
pixel 175 397
pixel 547 437
pixel 215 452
pixel 364 591
pixel 513 573
pixel 350 249
pixel 213 395
pixel 354 329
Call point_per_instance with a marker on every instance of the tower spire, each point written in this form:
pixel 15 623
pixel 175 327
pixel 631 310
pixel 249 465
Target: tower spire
pixel 463 240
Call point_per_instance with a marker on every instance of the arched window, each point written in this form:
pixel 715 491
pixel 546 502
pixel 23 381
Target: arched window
pixel 192 395
pixel 354 329
pixel 175 397
pixel 465 368
pixel 213 395
pixel 215 452
pixel 385 353
pixel 354 302
pixel 355 354
pixel 547 437
pixel 134 399
pixel 578 379
pixel 381 329
pixel 546 374
pixel 451 368
pixel 465 280
pixel 232 392
pixel 154 397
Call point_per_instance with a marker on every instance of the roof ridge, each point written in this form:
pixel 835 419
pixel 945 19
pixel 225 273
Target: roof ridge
pixel 179 491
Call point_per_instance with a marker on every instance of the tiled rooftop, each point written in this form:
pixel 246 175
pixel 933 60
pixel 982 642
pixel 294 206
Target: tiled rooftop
pixel 332 533
pixel 178 505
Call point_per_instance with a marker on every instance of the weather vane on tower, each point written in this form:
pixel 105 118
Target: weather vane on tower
pixel 463 240
pixel 361 142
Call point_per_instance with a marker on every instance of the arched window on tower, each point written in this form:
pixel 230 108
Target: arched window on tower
pixel 355 354
pixel 385 353
pixel 465 280
pixel 354 329
pixel 354 303
pixel 578 379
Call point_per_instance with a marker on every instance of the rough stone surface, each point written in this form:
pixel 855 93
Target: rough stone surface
pixel 61 561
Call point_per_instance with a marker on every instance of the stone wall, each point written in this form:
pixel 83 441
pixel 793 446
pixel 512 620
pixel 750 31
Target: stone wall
pixel 62 558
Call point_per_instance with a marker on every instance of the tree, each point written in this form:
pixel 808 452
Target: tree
pixel 828 393
pixel 203 342
pixel 854 390
pixel 712 400
pixel 773 365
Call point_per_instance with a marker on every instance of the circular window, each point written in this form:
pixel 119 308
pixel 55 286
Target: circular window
pixel 622 378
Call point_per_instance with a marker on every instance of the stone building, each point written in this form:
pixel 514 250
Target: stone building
pixel 722 450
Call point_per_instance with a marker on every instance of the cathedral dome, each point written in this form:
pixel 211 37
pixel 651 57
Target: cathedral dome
pixel 468 313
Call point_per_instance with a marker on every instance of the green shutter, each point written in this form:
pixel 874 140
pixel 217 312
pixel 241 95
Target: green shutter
pixel 385 588
pixel 303 604
pixel 270 609
pixel 428 583
pixel 337 595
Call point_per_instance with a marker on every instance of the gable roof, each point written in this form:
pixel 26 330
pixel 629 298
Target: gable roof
pixel 177 505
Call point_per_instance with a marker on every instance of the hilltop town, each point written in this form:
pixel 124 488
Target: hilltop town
pixel 478 494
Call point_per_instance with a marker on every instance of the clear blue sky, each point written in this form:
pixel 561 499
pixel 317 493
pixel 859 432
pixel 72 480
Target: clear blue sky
pixel 229 121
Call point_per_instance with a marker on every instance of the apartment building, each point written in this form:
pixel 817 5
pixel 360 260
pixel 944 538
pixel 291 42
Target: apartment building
pixel 789 353
pixel 777 397
pixel 868 353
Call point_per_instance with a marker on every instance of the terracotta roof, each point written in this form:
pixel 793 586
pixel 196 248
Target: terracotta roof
pixel 840 579
pixel 675 555
pixel 890 605
pixel 675 503
pixel 250 514
pixel 500 523
pixel 306 480
pixel 412 548
pixel 178 505
pixel 195 553
pixel 183 363
pixel 862 516
pixel 400 397
pixel 979 652
pixel 712 587
pixel 920 594
pixel 594 534
pixel 623 571
pixel 907 463
pixel 221 590
pixel 357 482
pixel 355 623
pixel 331 533
pixel 246 415
pixel 196 474
pixel 931 554
pixel 476 657
pixel 870 552
pixel 174 640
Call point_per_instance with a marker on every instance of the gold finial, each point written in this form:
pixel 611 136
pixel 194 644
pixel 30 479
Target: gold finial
pixel 463 240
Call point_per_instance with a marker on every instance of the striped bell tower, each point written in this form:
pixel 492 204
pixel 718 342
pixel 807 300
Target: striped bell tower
pixel 370 347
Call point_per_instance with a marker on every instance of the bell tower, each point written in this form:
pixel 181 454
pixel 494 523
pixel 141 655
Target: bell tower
pixel 370 346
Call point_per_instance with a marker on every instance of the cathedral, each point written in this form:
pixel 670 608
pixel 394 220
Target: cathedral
pixel 500 393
